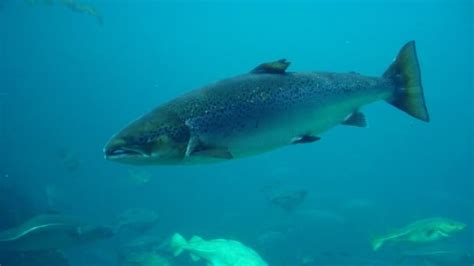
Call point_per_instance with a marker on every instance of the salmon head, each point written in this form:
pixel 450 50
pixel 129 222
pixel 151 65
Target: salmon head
pixel 156 138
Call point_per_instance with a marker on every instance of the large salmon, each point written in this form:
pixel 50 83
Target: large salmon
pixel 263 110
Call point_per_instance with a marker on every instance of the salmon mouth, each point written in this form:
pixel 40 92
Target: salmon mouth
pixel 114 153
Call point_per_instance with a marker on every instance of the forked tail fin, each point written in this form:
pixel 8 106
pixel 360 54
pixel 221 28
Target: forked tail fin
pixel 405 74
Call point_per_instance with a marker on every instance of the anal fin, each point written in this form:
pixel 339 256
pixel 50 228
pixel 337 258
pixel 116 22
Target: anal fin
pixel 356 119
pixel 304 139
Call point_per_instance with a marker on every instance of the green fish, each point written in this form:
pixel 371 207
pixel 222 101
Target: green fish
pixel 263 110
pixel 426 230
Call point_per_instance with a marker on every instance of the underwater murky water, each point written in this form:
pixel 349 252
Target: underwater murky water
pixel 280 164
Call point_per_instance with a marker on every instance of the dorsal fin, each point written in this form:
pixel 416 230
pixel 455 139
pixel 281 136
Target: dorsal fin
pixel 274 67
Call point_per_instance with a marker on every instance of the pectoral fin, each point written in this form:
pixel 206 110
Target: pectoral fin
pixel 356 119
pixel 304 139
pixel 197 148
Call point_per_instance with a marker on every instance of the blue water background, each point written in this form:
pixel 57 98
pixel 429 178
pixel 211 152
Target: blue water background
pixel 68 83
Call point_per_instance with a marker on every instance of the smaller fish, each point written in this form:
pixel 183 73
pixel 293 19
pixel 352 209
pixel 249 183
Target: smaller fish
pixel 137 220
pixel 426 230
pixel 217 252
pixel 288 200
pixel 441 257
pixel 285 198
pixel 51 232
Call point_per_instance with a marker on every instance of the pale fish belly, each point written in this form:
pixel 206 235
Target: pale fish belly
pixel 278 130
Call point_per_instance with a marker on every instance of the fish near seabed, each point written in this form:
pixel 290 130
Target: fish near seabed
pixel 217 252
pixel 421 231
pixel 51 232
pixel 263 110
